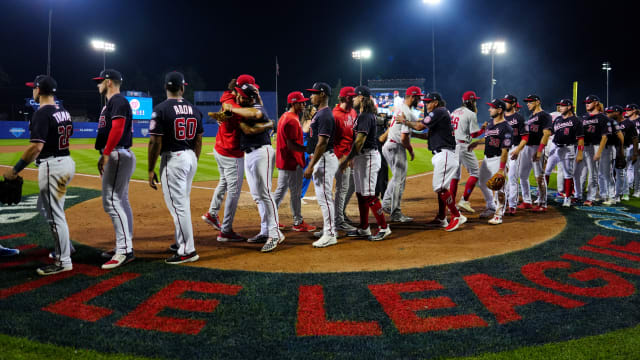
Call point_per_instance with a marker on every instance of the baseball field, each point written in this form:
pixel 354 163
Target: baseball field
pixel 561 285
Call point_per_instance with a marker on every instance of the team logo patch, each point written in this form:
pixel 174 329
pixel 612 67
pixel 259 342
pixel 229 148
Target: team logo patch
pixel 152 123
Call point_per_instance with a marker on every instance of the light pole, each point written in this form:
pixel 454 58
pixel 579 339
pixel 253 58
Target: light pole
pixel 433 42
pixel 104 47
pixel 606 66
pixel 49 39
pixel 493 48
pixel 361 55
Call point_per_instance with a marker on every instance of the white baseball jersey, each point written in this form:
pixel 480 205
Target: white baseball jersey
pixel 395 129
pixel 464 122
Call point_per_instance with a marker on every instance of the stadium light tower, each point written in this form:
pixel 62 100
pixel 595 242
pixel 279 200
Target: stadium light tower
pixel 433 41
pixel 606 66
pixel 361 55
pixel 105 47
pixel 493 48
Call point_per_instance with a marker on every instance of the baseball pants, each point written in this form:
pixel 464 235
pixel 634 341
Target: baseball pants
pixel 513 174
pixel 396 156
pixel 259 165
pixel 633 174
pixel 177 170
pixel 365 172
pixel 350 191
pixel 624 177
pixel 445 165
pixel 586 170
pixel 526 164
pixel 552 161
pixel 342 187
pixel 290 180
pixel 606 182
pixel 488 168
pixel 115 196
pixel 323 173
pixel 467 159
pixel 54 176
pixel 231 171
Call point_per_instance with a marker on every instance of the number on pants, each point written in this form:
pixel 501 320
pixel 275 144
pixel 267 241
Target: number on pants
pixel 65 133
pixel 185 130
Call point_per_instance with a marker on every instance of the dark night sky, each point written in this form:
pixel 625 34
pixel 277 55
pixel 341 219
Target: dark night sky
pixel 549 44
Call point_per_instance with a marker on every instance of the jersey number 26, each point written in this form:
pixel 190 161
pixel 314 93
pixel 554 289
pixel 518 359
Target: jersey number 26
pixel 185 129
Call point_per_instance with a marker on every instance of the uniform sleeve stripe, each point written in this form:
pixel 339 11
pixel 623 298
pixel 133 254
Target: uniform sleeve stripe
pixel 37 140
pixel 153 133
pixel 329 135
pixel 118 117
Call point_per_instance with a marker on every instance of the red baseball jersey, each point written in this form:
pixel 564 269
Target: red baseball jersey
pixel 228 137
pixel 344 130
pixel 288 128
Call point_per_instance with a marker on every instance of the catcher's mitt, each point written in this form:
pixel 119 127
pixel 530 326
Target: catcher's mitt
pixel 621 162
pixel 221 116
pixel 496 182
pixel 11 191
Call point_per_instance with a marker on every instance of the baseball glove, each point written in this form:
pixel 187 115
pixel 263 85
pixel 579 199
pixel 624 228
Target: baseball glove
pixel 220 116
pixel 496 182
pixel 11 191
pixel 621 162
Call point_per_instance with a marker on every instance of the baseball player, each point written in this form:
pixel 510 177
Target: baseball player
pixel 568 137
pixel 633 172
pixel 465 124
pixel 290 159
pixel 7 252
pixel 344 115
pixel 176 131
pixel 366 164
pixel 629 149
pixel 594 124
pixel 395 149
pixel 539 131
pixel 116 165
pixel 497 141
pixel 445 161
pixel 606 180
pixel 50 129
pixel 259 160
pixel 518 143
pixel 553 160
pixel 324 163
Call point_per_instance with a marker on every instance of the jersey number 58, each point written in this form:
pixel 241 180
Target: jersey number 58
pixel 185 130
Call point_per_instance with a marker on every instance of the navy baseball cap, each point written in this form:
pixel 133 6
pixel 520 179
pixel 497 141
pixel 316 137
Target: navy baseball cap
pixel 248 91
pixel 362 90
pixel 108 74
pixel 591 98
pixel 614 108
pixel 630 107
pixel 565 102
pixel 432 96
pixel 497 104
pixel 321 87
pixel 45 83
pixel 532 98
pixel 510 99
pixel 174 78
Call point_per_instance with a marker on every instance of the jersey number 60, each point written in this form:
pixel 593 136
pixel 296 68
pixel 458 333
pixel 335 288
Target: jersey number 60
pixel 185 130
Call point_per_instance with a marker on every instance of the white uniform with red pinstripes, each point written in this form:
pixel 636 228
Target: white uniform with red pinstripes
pixel 258 167
pixel 323 173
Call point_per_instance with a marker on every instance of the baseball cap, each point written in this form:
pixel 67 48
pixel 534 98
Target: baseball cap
pixel 510 99
pixel 321 87
pixel 531 98
pixel 174 78
pixel 614 108
pixel 414 90
pixel 246 79
pixel 630 107
pixel 296 97
pixel 247 91
pixel 347 91
pixel 362 90
pixel 497 104
pixel 565 102
pixel 110 74
pixel 45 83
pixel 591 98
pixel 469 95
pixel 432 96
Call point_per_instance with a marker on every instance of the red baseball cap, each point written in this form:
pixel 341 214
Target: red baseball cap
pixel 347 91
pixel 414 90
pixel 246 79
pixel 470 95
pixel 296 97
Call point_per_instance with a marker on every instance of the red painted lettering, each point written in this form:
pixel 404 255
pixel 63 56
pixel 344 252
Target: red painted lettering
pixel 605 242
pixel 603 264
pixel 611 253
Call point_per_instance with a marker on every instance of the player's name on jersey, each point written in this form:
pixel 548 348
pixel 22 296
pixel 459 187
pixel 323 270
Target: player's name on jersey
pixel 183 109
pixel 61 116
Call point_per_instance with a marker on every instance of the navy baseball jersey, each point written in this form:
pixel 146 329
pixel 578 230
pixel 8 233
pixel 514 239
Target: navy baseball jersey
pixel 612 131
pixel 322 124
pixel 567 131
pixel 116 107
pixel 366 124
pixel 537 123
pixel 256 140
pixel 440 135
pixel 51 125
pixel 629 131
pixel 497 137
pixel 519 126
pixel 594 127
pixel 178 122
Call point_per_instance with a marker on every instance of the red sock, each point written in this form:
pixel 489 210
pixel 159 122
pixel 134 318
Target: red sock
pixel 364 211
pixel 448 201
pixel 567 187
pixel 453 188
pixel 376 209
pixel 471 183
pixel 442 209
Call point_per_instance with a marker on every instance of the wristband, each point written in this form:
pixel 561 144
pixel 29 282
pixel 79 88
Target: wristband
pixel 21 164
pixel 580 147
pixel 502 165
pixel 541 148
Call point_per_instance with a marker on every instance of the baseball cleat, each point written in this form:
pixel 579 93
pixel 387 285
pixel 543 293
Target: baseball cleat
pixel 539 209
pixel 456 222
pixel 281 227
pixel 524 206
pixel 465 205
pixel 496 220
pixel 212 220
pixel 625 197
pixel 303 227
pixel 587 203
pixel 280 237
pixel 566 202
pixel 636 195
pixel 511 211
pixel 230 237
pixel 108 254
pixel 318 234
pixel 179 259
pixel 401 218
pixel 487 213
pixel 381 234
pixel 118 260
pixel 54 269
pixel 345 227
pixel 325 241
pixel 8 252
pixel 270 245
pixel 438 223
pixel 258 239
pixel 609 202
pixel 359 232
pixel 616 199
